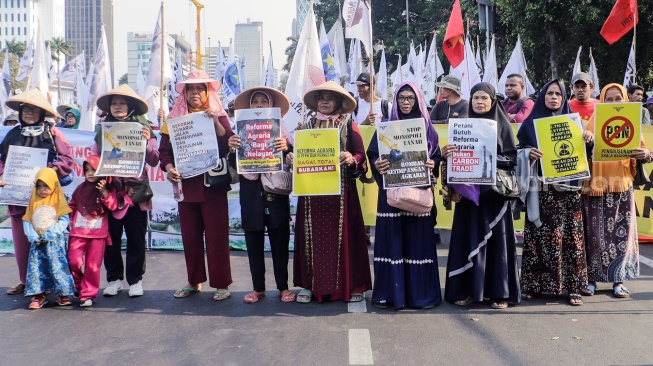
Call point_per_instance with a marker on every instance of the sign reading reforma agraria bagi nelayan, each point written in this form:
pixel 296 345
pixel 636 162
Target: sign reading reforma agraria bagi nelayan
pixel 123 150
pixel 475 159
pixel 258 128
pixel 403 144
pixel 194 144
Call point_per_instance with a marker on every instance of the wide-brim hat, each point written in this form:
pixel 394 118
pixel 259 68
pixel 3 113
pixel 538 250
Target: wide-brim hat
pixel 198 77
pixel 450 82
pixel 348 102
pixel 280 100
pixel 124 90
pixel 33 97
pixel 63 108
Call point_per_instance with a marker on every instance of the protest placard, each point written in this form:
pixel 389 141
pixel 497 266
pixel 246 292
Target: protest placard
pixel 316 167
pixel 560 138
pixel 123 150
pixel 475 159
pixel 21 167
pixel 403 144
pixel 617 129
pixel 194 144
pixel 257 129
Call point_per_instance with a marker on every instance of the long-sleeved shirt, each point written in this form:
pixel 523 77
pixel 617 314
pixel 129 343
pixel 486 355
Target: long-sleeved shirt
pixel 92 228
pixel 521 114
pixel 55 232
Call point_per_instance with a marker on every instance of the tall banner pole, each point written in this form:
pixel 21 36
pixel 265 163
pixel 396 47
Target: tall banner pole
pixel 371 54
pixel 163 44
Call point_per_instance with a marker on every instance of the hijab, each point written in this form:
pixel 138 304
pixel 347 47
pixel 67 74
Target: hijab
pixel 75 112
pixel 181 107
pixel 36 135
pixel 419 111
pixel 131 117
pixel 56 200
pixel 87 197
pixel 526 134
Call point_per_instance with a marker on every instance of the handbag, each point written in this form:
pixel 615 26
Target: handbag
pixel 277 182
pixel 142 192
pixel 415 200
pixel 506 184
pixel 222 175
pixel 641 177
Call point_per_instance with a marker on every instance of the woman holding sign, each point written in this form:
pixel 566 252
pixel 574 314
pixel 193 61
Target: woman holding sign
pixel 554 250
pixel 610 215
pixel 33 132
pixel 331 260
pixel 482 259
pixel 405 258
pixel 124 105
pixel 260 209
pixel 203 212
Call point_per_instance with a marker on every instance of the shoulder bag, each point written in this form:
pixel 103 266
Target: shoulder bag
pixel 415 200
pixel 223 175
pixel 506 184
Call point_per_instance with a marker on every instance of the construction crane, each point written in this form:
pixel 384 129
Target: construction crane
pixel 116 152
pixel 395 153
pixel 198 37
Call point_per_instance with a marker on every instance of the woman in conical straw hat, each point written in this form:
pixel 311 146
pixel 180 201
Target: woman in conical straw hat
pixel 123 105
pixel 32 131
pixel 203 212
pixel 330 229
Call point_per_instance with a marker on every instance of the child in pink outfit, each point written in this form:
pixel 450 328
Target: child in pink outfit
pixel 91 204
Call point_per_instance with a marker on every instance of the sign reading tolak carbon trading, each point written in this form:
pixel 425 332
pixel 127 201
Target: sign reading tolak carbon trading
pixel 316 166
pixel 475 159
pixel 21 167
pixel 617 129
pixel 403 144
pixel 560 139
pixel 194 144
pixel 123 150
pixel 258 128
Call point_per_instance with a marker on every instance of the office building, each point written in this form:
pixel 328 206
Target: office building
pixel 84 19
pixel 248 43
pixel 138 50
pixel 19 20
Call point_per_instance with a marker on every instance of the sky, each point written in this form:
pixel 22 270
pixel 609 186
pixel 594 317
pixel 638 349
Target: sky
pixel 218 21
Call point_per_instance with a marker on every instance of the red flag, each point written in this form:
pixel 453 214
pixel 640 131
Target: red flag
pixel 453 45
pixel 622 19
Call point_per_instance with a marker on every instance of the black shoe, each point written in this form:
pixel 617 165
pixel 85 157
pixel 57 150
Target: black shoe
pixel 380 304
pixel 437 238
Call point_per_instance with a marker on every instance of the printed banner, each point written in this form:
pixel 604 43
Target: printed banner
pixel 123 150
pixel 257 129
pixel 316 167
pixel 617 129
pixel 560 139
pixel 403 143
pixel 194 144
pixel 21 167
pixel 475 159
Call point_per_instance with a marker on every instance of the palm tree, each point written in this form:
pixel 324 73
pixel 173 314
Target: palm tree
pixel 58 46
pixel 16 47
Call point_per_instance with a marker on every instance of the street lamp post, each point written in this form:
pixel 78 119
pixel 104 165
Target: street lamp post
pixel 407 25
pixel 209 54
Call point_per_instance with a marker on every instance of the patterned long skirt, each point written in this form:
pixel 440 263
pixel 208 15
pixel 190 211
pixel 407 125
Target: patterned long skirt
pixel 611 237
pixel 48 270
pixel 553 258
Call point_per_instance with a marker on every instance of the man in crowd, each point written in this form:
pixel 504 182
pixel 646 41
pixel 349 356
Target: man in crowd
pixel 517 105
pixel 583 104
pixel 453 106
pixel 636 95
pixel 649 105
pixel 11 120
pixel 368 112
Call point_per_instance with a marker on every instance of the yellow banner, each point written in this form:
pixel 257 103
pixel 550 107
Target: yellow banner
pixel 368 193
pixel 316 166
pixel 617 129
pixel 563 149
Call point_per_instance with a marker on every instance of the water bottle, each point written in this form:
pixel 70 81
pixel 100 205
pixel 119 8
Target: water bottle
pixel 178 191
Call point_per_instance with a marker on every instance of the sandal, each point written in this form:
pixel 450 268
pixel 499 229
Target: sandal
pixel 589 291
pixel 16 290
pixel 356 297
pixel 63 300
pixel 575 299
pixel 38 301
pixel 499 304
pixel 464 302
pixel 220 295
pixel 187 291
pixel 620 291
pixel 528 296
pixel 253 297
pixel 287 296
pixel 304 296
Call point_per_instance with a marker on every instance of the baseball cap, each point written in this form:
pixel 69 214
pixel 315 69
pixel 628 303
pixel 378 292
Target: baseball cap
pixel 450 82
pixel 363 79
pixel 581 76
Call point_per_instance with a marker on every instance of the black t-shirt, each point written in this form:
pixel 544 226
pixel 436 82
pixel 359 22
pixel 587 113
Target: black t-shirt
pixel 443 111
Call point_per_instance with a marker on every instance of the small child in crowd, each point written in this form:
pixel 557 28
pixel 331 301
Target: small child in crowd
pixel 91 204
pixel 45 223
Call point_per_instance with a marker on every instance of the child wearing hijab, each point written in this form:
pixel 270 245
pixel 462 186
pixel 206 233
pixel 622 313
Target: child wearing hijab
pixel 45 224
pixel 91 204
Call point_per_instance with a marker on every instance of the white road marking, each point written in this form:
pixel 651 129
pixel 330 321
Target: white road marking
pixel 360 347
pixel 648 262
pixel 357 307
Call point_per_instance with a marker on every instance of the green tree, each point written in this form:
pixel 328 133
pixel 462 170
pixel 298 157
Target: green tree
pixel 58 47
pixel 124 79
pixel 16 47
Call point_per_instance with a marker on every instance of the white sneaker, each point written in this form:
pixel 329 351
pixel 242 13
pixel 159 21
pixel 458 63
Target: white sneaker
pixel 86 303
pixel 113 288
pixel 136 289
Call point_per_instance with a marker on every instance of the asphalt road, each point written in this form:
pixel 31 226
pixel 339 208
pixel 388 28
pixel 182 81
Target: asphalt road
pixel 157 329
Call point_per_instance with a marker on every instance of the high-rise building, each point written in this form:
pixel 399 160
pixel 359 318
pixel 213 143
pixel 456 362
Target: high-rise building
pixel 84 19
pixel 208 64
pixel 302 12
pixel 19 20
pixel 138 50
pixel 248 43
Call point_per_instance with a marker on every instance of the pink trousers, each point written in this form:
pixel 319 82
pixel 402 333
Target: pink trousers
pixel 86 271
pixel 21 246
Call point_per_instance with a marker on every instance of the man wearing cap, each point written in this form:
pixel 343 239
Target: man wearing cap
pixel 517 105
pixel 649 105
pixel 11 120
pixel 453 106
pixel 583 104
pixel 636 95
pixel 366 112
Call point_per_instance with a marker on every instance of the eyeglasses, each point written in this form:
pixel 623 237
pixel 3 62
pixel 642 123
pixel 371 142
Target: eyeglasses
pixel 30 109
pixel 402 99
pixel 70 116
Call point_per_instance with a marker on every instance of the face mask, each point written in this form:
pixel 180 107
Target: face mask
pixel 32 130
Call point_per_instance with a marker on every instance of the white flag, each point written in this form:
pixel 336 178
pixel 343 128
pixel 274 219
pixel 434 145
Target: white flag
pixel 158 53
pixel 5 86
pixel 231 84
pixel 177 76
pixel 467 72
pixel 396 77
pixel 358 22
pixel 69 71
pixel 80 96
pixel 140 78
pixel 305 72
pixel 218 73
pixel 243 73
pixel 354 66
pixel 479 62
pixel 26 61
pixel 577 67
pixel 328 65
pixel 382 77
pixel 269 79
pixel 629 76
pixel 99 82
pixel 49 64
pixel 516 65
pixel 417 66
pixel 594 74
pixel 491 75
pixel 337 43
pixel 38 79
pixel 432 71
pixel 412 65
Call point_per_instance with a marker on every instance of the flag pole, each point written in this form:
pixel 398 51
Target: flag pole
pixel 163 44
pixel 371 54
pixel 435 77
pixel 635 44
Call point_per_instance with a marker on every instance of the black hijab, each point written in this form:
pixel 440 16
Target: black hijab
pixel 526 134
pixel 16 137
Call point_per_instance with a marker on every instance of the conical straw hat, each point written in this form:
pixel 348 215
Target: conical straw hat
pixel 104 101
pixel 32 97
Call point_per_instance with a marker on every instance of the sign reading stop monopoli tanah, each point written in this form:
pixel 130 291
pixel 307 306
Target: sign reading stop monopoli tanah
pixel 617 129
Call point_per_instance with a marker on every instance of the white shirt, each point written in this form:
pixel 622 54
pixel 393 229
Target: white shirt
pixel 364 111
